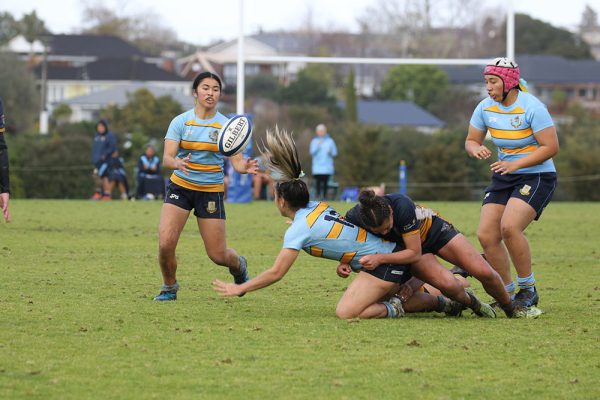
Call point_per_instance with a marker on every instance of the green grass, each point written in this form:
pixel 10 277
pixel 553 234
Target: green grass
pixel 77 320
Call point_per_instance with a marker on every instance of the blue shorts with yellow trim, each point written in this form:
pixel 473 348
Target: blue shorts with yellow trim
pixel 534 189
pixel 208 205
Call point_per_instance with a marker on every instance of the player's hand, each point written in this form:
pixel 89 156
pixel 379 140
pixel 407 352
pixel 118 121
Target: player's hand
pixel 182 163
pixel 226 289
pixel 344 270
pixel 405 292
pixel 370 261
pixel 480 153
pixel 251 166
pixel 4 198
pixel 503 167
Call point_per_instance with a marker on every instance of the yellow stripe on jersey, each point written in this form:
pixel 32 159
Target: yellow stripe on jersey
pixel 315 251
pixel 513 135
pixel 526 149
pixel 361 236
pixel 314 214
pixel 424 228
pixel 215 187
pixel 496 109
pixel 347 257
pixel 192 122
pixel 187 145
pixel 335 231
pixel 204 167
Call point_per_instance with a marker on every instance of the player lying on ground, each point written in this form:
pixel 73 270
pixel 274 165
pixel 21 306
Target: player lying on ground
pixel 322 232
pixel 421 237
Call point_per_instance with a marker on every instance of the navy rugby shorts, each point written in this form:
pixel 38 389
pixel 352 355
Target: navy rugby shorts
pixel 205 204
pixel 534 189
pixel 391 273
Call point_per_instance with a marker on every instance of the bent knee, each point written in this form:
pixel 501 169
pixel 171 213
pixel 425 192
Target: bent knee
pixel 343 312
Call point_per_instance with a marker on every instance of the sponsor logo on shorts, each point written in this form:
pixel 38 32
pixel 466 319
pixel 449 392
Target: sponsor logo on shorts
pixel 213 136
pixel 174 196
pixel 396 272
pixel 211 207
pixel 525 190
pixel 486 195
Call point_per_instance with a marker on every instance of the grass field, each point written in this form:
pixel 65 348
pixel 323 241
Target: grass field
pixel 77 320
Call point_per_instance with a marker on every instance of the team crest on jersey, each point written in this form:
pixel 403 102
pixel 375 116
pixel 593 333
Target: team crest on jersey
pixel 213 135
pixel 211 208
pixel 525 190
pixel 516 122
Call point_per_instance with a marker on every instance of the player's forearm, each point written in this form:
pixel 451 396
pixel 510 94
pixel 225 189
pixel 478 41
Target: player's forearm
pixel 265 279
pixel 401 257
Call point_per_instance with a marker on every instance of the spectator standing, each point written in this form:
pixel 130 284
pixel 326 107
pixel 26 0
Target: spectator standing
pixel 4 177
pixel 104 149
pixel 322 151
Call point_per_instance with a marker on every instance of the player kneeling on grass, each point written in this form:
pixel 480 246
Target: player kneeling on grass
pixel 322 232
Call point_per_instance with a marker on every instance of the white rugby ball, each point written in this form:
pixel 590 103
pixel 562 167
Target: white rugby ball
pixel 234 135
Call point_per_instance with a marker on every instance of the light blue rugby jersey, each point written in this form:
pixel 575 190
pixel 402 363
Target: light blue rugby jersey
pixel 512 128
pixel 199 137
pixel 321 232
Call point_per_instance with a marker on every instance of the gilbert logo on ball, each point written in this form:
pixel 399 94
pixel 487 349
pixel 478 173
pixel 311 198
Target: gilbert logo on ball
pixel 234 135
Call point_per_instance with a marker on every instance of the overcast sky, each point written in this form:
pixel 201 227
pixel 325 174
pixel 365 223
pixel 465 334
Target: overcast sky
pixel 203 22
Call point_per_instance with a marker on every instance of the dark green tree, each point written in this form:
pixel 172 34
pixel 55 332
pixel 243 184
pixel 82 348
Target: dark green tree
pixel 421 84
pixel 537 37
pixel 351 106
pixel 9 27
pixel 18 91
pixel 263 86
pixel 310 88
pixel 143 114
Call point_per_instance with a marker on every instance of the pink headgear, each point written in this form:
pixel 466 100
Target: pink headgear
pixel 506 69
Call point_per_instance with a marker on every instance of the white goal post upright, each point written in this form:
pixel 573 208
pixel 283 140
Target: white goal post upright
pixel 242 58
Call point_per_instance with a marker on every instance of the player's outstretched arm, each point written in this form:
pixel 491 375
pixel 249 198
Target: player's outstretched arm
pixel 244 165
pixel 282 265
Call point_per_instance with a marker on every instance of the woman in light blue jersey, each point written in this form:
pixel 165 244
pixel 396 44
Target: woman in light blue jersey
pixel 197 183
pixel 322 232
pixel 524 176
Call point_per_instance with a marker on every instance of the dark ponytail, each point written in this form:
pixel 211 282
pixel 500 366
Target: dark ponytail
pixel 374 210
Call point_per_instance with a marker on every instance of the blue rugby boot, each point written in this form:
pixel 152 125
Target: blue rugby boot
pixel 526 298
pixel 168 293
pixel 243 275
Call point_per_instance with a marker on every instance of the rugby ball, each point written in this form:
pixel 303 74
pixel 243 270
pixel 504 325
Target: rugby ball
pixel 234 135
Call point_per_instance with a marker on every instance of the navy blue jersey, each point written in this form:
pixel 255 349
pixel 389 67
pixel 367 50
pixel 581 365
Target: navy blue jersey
pixel 406 221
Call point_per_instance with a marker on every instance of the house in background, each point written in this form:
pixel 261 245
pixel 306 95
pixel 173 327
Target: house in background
pixel 396 114
pixel 81 65
pixel 88 107
pixel 579 80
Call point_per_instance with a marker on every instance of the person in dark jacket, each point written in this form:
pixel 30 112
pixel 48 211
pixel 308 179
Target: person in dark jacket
pixel 150 183
pixel 4 178
pixel 104 149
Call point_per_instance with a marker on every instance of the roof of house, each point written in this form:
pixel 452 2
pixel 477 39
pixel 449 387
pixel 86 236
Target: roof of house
pixel 102 46
pixel 117 95
pixel 117 69
pixel 536 69
pixel 395 113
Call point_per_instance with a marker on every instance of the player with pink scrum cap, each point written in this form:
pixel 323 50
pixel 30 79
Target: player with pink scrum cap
pixel 524 176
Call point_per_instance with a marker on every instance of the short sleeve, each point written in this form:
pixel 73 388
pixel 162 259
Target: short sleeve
pixel 175 131
pixel 540 119
pixel 477 118
pixel 296 237
pixel 405 217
